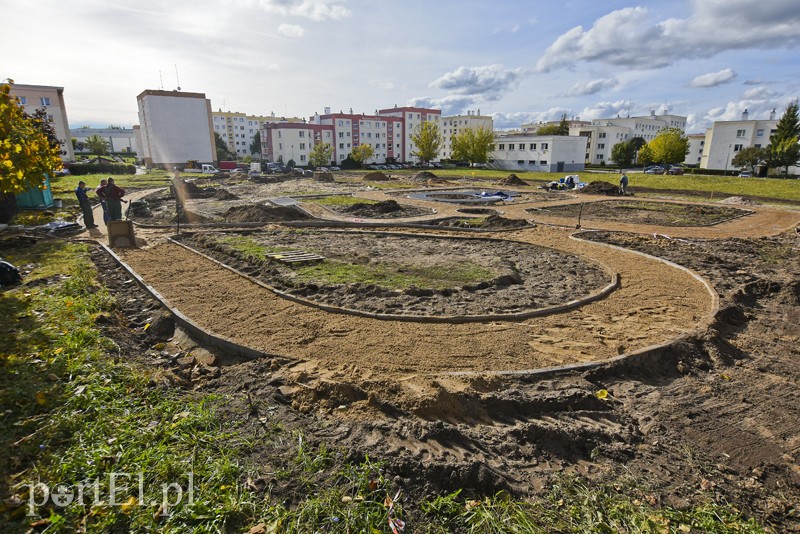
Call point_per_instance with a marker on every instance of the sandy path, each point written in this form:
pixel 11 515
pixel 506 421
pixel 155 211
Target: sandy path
pixel 655 303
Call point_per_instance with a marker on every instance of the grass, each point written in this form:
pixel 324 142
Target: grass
pixel 74 412
pixel 343 200
pixel 711 187
pixel 65 185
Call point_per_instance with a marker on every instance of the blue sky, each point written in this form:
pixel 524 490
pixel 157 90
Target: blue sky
pixel 519 61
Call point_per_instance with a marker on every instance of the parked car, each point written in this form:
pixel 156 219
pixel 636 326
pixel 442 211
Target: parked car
pixel 437 165
pixel 676 170
pixel 745 174
pixel 334 168
pixel 478 165
pixel 654 169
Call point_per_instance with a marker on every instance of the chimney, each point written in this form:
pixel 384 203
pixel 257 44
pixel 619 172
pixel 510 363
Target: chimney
pixel 745 114
pixel 327 110
pixel 772 115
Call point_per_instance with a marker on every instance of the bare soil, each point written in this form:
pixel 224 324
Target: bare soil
pixel 711 415
pixel 386 209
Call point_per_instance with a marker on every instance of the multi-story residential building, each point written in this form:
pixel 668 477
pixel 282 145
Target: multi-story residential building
pixel 453 124
pixel 696 145
pixel 600 140
pixel 33 97
pixel 411 118
pixel 523 151
pixel 175 127
pixel 239 129
pixel 726 138
pixel 351 130
pixel 120 140
pixel 285 141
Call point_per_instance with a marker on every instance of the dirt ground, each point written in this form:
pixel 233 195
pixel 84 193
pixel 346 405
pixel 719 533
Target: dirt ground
pixel 710 414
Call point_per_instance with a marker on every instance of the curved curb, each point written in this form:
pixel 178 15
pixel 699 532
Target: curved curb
pixel 196 331
pixel 451 319
pixel 637 358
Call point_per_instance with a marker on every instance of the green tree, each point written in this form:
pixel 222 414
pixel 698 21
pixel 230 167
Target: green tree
pixel 670 146
pixel 255 145
pixel 362 153
pixel 26 153
pixel 783 148
pixel 472 144
pixel 427 141
pixel 623 153
pixel 645 155
pixel 320 155
pixel 97 145
pixel 223 154
pixel 562 128
pixel 750 157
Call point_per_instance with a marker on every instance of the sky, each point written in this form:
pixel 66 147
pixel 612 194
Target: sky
pixel 520 61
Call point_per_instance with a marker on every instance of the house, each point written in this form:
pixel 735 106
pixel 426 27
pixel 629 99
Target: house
pixel 523 151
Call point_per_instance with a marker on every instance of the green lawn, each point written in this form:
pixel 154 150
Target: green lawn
pixel 155 178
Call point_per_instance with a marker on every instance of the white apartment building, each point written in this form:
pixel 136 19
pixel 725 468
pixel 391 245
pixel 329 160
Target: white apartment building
pixel 285 142
pixel 600 140
pixel 238 129
pixel 175 127
pixel 453 124
pixel 696 145
pixel 726 138
pixel 120 140
pixel 33 97
pixel 350 130
pixel 522 151
pixel 411 118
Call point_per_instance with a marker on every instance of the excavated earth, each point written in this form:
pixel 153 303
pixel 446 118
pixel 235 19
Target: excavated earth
pixel 712 414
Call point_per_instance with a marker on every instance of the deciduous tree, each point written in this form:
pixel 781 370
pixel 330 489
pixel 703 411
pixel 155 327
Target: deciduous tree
pixel 255 144
pixel 472 144
pixel 562 128
pixel 223 154
pixel 645 155
pixel 362 153
pixel 427 141
pixel 320 155
pixel 670 146
pixel 623 154
pixel 97 145
pixel 750 157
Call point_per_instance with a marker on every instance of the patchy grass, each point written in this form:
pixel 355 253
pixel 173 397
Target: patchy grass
pixel 716 187
pixel 343 200
pixel 65 185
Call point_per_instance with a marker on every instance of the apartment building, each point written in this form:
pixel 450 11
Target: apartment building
pixel 175 127
pixel 351 130
pixel 120 140
pixel 524 151
pixel 33 97
pixel 239 129
pixel 410 119
pixel 284 141
pixel 726 138
pixel 696 145
pixel 451 125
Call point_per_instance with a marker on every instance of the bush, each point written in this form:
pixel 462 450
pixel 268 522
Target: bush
pixel 80 169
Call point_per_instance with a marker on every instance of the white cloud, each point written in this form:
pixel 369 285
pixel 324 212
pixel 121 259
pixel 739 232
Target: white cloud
pixel 602 110
pixel 317 10
pixel 489 81
pixel 627 37
pixel 450 105
pixel 291 30
pixel 759 93
pixel 504 121
pixel 712 79
pixel 592 87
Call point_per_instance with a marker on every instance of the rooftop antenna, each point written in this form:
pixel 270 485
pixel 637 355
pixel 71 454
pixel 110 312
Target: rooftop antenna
pixel 160 77
pixel 629 109
pixel 176 77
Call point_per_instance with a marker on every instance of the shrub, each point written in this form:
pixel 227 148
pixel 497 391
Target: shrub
pixel 80 169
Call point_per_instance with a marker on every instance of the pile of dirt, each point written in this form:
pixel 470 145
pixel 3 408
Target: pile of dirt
pixel 376 177
pixel 496 222
pixel 601 188
pixel 323 177
pixel 425 176
pixel 740 201
pixel 512 179
pixel 262 213
pixel 224 194
pixel 192 190
pixel 372 209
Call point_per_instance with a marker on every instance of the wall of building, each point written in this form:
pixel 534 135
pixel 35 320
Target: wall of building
pixel 549 153
pixel 453 124
pixel 696 148
pixel 412 118
pixel 726 138
pixel 176 128
pixel 34 97
pixel 238 129
pixel 122 140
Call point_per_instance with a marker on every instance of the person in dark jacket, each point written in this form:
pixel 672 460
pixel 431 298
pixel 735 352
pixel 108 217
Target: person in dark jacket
pixel 101 195
pixel 114 195
pixel 86 206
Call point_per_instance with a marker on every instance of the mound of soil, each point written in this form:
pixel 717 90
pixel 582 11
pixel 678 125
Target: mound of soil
pixel 601 188
pixel 323 177
pixel 512 179
pixel 425 176
pixel 376 177
pixel 224 194
pixel 371 210
pixel 740 201
pixel 262 213
pixel 496 222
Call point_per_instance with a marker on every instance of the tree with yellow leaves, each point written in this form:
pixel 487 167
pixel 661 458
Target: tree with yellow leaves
pixel 428 141
pixel 26 155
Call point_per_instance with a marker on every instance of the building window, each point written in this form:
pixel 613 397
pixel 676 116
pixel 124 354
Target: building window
pixel 602 135
pixel 45 101
pixel 760 133
pixel 340 123
pixel 341 134
pixel 302 133
pixel 23 100
pixel 511 146
pixel 739 133
pixel 601 145
pixel 755 146
pixel 737 148
pixel 502 147
pixel 600 156
pixel 302 157
pixel 544 146
pixel 341 146
pixel 521 162
pixel 533 147
pixel 302 146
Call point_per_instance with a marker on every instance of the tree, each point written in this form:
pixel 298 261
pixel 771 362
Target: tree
pixel 750 157
pixel 670 146
pixel 320 155
pixel 783 148
pixel 427 140
pixel 645 155
pixel 26 154
pixel 623 153
pixel 43 124
pixel 97 145
pixel 472 144
pixel 223 154
pixel 362 153
pixel 562 128
pixel 255 145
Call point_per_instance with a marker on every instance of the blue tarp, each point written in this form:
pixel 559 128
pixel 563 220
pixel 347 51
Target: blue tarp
pixel 37 198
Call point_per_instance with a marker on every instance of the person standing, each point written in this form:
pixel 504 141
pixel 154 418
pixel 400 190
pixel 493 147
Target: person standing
pixel 101 194
pixel 114 196
pixel 623 184
pixel 86 206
